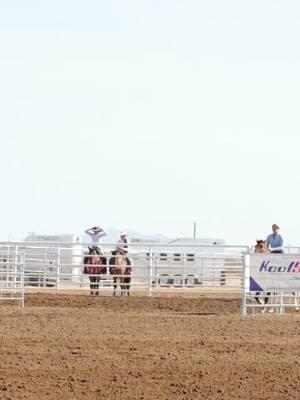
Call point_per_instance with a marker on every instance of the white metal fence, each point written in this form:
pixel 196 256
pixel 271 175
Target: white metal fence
pixel 155 267
pixel 12 277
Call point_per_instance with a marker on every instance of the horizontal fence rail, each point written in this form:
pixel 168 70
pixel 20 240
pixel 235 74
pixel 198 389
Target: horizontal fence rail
pixel 12 278
pixel 154 268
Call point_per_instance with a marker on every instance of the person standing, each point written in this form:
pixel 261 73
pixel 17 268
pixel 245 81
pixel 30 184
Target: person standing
pixel 274 240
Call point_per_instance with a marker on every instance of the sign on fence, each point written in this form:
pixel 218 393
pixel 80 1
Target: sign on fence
pixel 274 272
pixel 271 282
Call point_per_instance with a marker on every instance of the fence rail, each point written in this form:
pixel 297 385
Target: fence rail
pixel 155 267
pixel 12 279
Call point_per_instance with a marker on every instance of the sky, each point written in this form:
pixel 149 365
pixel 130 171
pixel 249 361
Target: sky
pixel 150 115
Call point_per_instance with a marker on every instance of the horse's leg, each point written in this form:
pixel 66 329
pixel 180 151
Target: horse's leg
pixel 271 309
pixel 121 281
pixel 115 287
pixel 127 286
pixel 263 301
pixel 266 301
pixel 91 285
pixel 97 280
pixel 295 294
pixel 127 278
pixel 94 285
pixel 296 300
pixel 256 297
pixel 112 262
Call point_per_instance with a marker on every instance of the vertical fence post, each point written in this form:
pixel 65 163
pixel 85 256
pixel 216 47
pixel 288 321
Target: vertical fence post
pixel 245 285
pixel 22 271
pixel 15 271
pixel 58 268
pixel 150 272
pixel 8 261
pixel 281 303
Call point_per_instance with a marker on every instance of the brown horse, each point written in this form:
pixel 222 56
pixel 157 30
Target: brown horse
pixel 94 266
pixel 121 273
pixel 262 247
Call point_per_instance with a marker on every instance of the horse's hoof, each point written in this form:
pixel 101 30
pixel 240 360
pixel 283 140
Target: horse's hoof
pixel 263 311
pixel 271 310
pixel 97 293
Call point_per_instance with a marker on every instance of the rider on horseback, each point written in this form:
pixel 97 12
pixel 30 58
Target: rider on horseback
pixel 122 248
pixel 274 240
pixel 96 234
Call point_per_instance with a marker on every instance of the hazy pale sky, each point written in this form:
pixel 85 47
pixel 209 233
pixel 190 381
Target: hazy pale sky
pixel 149 115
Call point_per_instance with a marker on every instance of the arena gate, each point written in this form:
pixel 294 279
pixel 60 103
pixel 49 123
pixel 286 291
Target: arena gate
pixel 11 275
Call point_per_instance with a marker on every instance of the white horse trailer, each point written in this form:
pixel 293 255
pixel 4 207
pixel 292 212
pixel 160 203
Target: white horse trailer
pixel 184 262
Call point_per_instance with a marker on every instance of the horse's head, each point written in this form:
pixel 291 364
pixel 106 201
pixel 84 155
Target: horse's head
pixel 261 246
pixel 95 250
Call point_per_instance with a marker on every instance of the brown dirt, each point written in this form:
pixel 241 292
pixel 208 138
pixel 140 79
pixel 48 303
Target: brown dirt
pixel 79 347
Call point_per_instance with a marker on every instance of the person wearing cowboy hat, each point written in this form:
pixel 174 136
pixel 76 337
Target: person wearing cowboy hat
pixel 96 234
pixel 275 241
pixel 122 247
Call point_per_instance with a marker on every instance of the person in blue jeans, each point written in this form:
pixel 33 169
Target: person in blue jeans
pixel 274 240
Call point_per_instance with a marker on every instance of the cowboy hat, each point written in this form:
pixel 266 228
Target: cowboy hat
pixel 96 229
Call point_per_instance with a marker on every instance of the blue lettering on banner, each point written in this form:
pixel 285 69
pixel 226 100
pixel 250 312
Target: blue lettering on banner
pixel 293 267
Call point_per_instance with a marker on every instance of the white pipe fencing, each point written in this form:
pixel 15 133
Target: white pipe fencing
pixel 156 267
pixel 12 277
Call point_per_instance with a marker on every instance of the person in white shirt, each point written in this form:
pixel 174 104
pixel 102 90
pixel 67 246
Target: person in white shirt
pixel 122 247
pixel 96 234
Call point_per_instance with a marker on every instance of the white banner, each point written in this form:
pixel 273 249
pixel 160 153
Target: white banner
pixel 274 272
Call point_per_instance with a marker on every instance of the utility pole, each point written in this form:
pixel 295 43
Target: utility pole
pixel 194 236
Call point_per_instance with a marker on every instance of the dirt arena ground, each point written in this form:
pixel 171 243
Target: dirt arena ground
pixel 79 347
